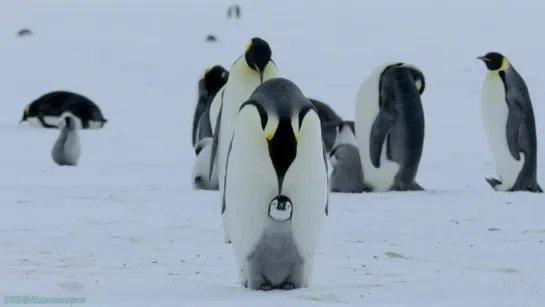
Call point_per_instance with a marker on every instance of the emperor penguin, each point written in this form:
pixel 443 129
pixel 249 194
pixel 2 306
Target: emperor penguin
pixel 329 120
pixel 275 193
pixel 253 67
pixel 200 171
pixel 346 174
pixel 510 126
pixel 67 149
pixel 210 82
pixel 49 111
pixel 390 127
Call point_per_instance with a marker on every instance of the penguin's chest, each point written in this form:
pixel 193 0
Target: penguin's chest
pixel 495 111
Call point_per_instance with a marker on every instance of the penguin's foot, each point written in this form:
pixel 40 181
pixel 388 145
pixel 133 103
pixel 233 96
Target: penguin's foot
pixel 266 287
pixel 287 286
pixel 493 182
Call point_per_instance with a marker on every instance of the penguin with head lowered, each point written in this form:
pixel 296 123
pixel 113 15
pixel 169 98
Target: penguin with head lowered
pixel 210 82
pixel 67 148
pixel 199 174
pixel 510 126
pixel 49 111
pixel 390 127
pixel 329 120
pixel 253 67
pixel 275 193
pixel 347 174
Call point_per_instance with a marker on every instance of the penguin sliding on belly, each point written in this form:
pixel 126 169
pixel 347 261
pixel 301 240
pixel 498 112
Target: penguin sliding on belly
pixel 509 122
pixel 390 127
pixel 276 187
pixel 211 81
pixel 347 175
pixel 253 67
pixel 67 150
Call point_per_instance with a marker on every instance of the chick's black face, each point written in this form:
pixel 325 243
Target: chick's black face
pixel 492 60
pixel 258 54
pixel 215 79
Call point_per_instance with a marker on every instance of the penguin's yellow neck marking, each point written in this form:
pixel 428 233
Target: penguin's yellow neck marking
pixel 27 108
pixel 206 71
pixel 248 46
pixel 504 64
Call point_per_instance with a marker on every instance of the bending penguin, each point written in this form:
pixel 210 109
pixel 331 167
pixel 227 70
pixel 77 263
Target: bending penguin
pixel 49 111
pixel 347 174
pixel 210 82
pixel 201 168
pixel 67 149
pixel 390 127
pixel 510 126
pixel 329 120
pixel 275 193
pixel 253 67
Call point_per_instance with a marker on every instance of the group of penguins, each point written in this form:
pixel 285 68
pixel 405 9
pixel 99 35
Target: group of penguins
pixel 265 146
pixel 68 112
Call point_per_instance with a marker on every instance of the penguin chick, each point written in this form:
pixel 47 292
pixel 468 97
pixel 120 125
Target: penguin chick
pixel 199 173
pixel 347 174
pixel 67 150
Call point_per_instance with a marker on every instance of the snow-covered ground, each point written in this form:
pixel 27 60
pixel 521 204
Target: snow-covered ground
pixel 126 229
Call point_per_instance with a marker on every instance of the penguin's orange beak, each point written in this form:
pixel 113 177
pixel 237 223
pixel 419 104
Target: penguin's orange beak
pixel 483 58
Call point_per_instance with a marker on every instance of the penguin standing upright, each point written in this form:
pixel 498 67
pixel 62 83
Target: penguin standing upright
pixel 249 70
pixel 49 111
pixel 210 82
pixel 347 174
pixel 390 127
pixel 510 126
pixel 67 149
pixel 275 193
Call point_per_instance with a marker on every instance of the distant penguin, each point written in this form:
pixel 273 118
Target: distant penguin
pixel 67 148
pixel 276 163
pixel 347 174
pixel 49 110
pixel 329 120
pixel 253 67
pixel 210 82
pixel 510 126
pixel 200 171
pixel 390 127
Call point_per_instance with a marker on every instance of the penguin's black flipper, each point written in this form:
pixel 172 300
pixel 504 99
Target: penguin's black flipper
pixel 382 125
pixel 512 130
pixel 216 139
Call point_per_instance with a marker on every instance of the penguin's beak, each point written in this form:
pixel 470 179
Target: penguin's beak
pixel 482 58
pixel 260 73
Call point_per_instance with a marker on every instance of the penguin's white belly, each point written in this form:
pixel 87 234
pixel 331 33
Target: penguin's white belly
pixel 381 178
pixel 72 148
pixel 50 120
pixel 494 114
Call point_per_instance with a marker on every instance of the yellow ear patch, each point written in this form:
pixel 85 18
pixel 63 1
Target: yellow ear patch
pixel 297 137
pixel 205 72
pixel 27 108
pixel 249 46
pixel 270 136
pixel 504 64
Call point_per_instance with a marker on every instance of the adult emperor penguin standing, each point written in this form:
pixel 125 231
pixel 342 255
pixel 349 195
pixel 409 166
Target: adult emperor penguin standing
pixel 390 127
pixel 210 82
pixel 253 67
pixel 510 126
pixel 276 187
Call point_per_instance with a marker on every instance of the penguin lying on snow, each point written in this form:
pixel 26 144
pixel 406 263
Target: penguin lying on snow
pixel 347 174
pixel 253 67
pixel 210 82
pixel 510 126
pixel 200 172
pixel 275 193
pixel 67 150
pixel 49 110
pixel 390 127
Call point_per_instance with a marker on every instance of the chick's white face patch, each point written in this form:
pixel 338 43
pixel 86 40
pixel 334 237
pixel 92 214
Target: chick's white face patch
pixel 280 208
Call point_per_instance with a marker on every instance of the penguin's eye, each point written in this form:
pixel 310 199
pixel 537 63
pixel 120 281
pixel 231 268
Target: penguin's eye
pixel 199 179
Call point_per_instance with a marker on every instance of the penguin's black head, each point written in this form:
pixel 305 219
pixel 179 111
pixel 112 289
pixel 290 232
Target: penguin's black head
pixel 215 78
pixel 494 61
pixel 28 112
pixel 258 55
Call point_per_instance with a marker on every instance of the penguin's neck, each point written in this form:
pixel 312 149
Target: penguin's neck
pixel 345 136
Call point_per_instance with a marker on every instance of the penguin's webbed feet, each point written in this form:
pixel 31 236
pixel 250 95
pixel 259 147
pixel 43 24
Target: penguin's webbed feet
pixel 493 182
pixel 266 287
pixel 287 286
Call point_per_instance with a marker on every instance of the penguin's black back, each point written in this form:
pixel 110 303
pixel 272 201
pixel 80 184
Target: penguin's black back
pixel 57 102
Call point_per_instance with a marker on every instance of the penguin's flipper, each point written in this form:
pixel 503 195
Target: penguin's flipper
pixel 205 127
pixel 512 130
pixel 493 182
pixel 382 125
pixel 215 142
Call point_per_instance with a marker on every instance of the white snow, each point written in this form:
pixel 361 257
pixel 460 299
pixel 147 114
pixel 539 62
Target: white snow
pixel 125 228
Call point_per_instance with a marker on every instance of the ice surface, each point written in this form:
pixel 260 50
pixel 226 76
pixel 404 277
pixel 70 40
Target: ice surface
pixel 125 228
